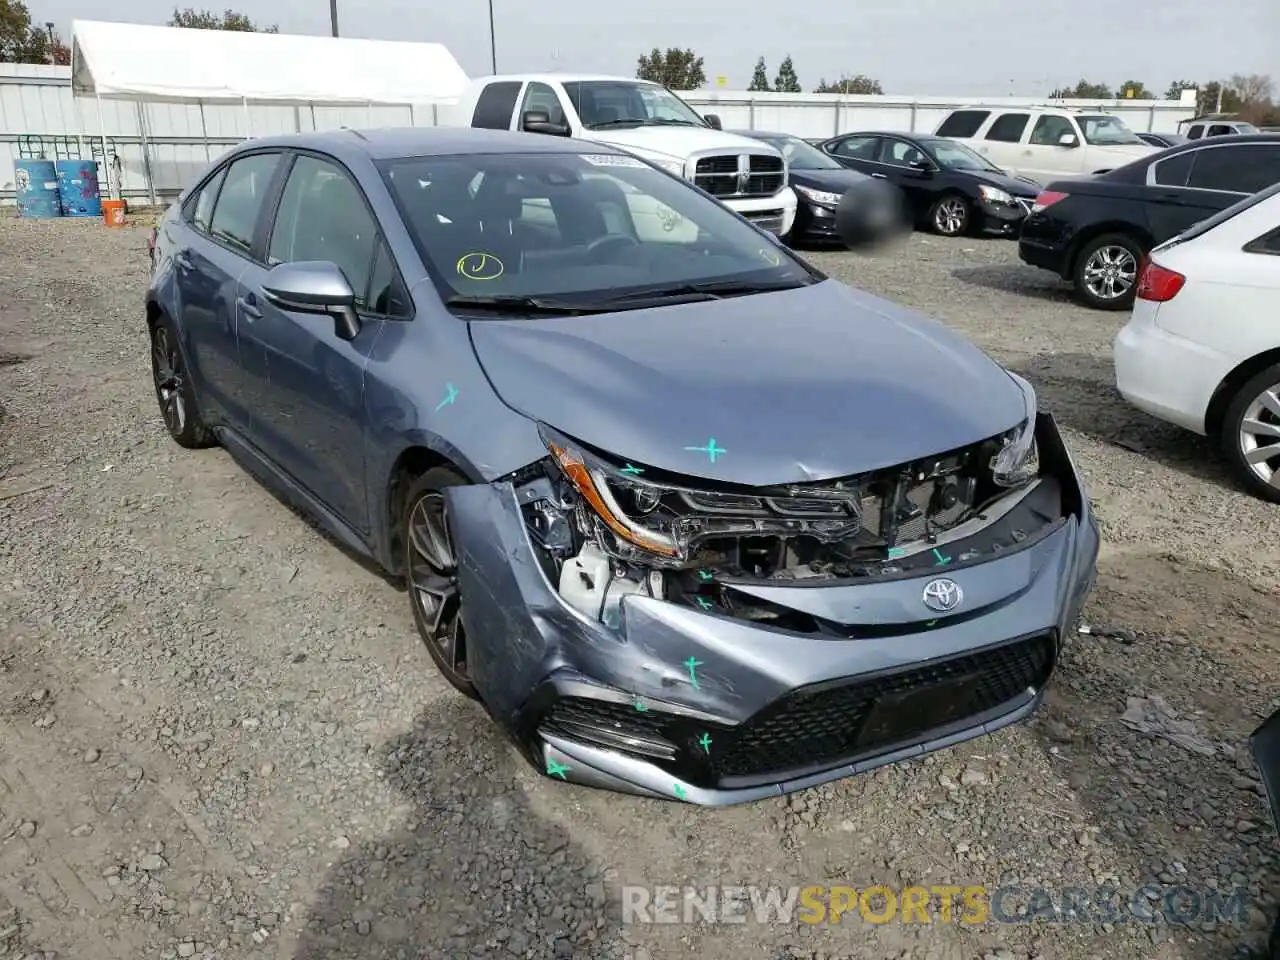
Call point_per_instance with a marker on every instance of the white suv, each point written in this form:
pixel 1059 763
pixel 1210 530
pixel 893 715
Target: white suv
pixel 1044 143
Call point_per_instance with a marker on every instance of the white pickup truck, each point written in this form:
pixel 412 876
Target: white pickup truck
pixel 646 119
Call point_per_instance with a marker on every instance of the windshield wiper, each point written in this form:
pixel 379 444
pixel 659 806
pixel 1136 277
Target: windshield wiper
pixel 638 121
pixel 676 123
pixel 710 290
pixel 515 304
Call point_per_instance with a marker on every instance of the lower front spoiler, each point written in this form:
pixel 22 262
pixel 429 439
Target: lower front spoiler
pixel 606 769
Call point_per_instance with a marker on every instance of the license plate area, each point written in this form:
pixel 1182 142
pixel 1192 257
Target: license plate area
pixel 899 716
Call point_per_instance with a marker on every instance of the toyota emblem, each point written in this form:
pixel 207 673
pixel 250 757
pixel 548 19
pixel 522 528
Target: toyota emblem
pixel 942 595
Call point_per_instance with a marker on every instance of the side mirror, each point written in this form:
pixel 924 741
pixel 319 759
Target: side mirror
pixel 713 121
pixel 539 121
pixel 315 287
pixel 1068 140
pixel 923 167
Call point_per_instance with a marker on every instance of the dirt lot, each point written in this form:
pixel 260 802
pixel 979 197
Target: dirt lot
pixel 220 738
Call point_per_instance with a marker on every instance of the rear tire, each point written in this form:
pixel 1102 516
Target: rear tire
pixel 431 575
pixel 174 390
pixel 1251 429
pixel 1105 271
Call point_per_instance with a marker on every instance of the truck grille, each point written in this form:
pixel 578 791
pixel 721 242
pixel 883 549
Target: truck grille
pixel 740 175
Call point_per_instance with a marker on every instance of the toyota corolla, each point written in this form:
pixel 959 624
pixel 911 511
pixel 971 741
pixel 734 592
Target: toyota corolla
pixel 689 518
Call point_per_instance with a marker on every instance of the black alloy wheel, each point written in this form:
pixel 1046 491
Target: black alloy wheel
pixel 431 572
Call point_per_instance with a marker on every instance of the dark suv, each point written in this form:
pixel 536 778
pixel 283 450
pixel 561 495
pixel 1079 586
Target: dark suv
pixel 1094 231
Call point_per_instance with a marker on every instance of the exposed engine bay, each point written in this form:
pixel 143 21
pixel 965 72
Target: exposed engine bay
pixel 606 530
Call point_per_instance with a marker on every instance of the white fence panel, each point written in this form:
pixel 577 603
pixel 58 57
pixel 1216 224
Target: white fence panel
pixel 162 146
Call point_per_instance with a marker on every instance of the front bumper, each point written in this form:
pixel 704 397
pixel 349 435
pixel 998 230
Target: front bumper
pixel 816 224
pixel 776 214
pixel 695 706
pixel 1001 219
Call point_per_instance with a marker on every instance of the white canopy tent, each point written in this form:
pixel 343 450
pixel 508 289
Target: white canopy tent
pixel 132 61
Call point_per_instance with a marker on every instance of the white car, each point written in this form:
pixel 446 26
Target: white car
pixel 1045 143
pixel 1202 349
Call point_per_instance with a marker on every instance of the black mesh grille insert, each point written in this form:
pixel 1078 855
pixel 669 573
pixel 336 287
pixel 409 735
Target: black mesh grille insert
pixel 823 725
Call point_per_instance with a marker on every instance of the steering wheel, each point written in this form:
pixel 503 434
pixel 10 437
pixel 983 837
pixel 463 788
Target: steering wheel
pixel 608 242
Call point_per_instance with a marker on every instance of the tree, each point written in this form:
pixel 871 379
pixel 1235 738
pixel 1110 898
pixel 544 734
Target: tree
pixel 677 69
pixel 1207 100
pixel 857 84
pixel 1175 89
pixel 227 20
pixel 787 81
pixel 22 41
pixel 1134 90
pixel 760 77
pixel 1084 90
pixel 1254 88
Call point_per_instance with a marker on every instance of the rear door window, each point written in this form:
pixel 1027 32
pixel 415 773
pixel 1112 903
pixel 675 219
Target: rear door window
pixel 1194 131
pixel 496 103
pixel 1008 127
pixel 1220 130
pixel 857 148
pixel 1239 168
pixel 240 201
pixel 200 207
pixel 1173 171
pixel 963 123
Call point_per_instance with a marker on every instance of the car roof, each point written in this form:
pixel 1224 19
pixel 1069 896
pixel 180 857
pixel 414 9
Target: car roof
pixel 391 142
pixel 888 133
pixel 565 78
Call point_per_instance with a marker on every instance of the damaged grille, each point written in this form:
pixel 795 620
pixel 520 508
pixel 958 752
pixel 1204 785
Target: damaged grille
pixel 815 728
pixel 823 726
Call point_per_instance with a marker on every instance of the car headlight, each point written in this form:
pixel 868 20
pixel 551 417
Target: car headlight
pixel 675 167
pixel 822 197
pixel 995 195
pixel 596 482
pixel 1018 459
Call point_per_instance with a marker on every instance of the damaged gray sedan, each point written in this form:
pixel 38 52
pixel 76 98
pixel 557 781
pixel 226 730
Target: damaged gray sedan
pixel 689 518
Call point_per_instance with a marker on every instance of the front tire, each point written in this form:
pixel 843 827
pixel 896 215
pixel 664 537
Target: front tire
pixel 1105 272
pixel 174 390
pixel 431 575
pixel 1251 434
pixel 950 215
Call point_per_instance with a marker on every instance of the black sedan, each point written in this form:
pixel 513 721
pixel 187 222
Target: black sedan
pixel 951 189
pixel 1094 231
pixel 1162 139
pixel 819 183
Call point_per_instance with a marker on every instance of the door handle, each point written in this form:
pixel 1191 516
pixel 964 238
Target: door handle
pixel 182 261
pixel 1171 197
pixel 880 176
pixel 249 305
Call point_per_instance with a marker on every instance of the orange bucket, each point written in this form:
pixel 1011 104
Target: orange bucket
pixel 113 213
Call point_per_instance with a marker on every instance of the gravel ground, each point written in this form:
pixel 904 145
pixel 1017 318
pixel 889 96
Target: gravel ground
pixel 220 738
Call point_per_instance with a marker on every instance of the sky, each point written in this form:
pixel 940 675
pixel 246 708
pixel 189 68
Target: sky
pixel 913 47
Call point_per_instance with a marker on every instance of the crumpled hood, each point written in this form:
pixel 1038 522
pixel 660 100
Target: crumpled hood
pixel 800 385
pixel 675 142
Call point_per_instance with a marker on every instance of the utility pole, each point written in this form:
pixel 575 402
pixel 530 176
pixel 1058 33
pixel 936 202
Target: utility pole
pixel 493 48
pixel 333 16
pixel 49 26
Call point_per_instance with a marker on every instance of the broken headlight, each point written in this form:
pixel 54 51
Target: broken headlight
pixel 1018 461
pixel 618 502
